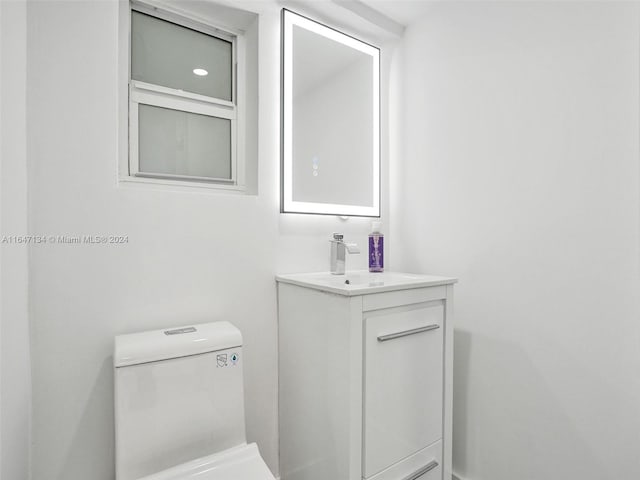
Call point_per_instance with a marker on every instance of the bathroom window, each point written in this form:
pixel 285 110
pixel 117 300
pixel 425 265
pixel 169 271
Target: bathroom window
pixel 185 99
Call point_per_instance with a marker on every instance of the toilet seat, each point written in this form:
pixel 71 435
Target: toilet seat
pixel 238 463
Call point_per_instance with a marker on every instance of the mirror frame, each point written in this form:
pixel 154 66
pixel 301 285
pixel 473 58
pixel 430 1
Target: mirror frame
pixel 290 19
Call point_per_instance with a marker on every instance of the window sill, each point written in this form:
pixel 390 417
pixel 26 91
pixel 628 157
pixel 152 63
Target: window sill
pixel 179 185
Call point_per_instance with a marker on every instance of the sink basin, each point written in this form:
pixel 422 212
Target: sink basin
pixel 355 279
pixel 363 282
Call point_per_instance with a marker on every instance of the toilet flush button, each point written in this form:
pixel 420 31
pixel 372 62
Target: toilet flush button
pixel 178 331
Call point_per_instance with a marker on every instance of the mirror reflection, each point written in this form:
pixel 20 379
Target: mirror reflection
pixel 330 121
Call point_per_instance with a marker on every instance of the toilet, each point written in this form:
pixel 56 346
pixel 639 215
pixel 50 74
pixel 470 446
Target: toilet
pixel 179 406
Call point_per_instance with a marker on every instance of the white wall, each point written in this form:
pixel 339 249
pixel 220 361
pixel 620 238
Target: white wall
pixel 15 374
pixel 191 257
pixel 521 177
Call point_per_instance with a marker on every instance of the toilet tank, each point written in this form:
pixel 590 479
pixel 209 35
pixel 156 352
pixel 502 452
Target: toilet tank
pixel 178 396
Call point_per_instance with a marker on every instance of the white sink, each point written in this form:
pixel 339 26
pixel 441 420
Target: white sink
pixel 363 282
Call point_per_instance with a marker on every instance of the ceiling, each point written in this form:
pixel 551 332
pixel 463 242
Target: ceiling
pixel 404 12
pixel 373 21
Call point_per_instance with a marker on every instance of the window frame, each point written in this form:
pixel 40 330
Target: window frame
pixel 166 97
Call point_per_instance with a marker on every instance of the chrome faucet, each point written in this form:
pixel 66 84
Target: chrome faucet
pixel 339 250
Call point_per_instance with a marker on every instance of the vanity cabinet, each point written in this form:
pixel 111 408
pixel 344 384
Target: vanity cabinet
pixel 365 376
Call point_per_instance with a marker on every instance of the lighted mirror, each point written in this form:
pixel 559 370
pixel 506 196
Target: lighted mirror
pixel 330 121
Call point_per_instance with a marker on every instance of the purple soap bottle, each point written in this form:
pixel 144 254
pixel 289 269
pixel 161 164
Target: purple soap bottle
pixel 376 248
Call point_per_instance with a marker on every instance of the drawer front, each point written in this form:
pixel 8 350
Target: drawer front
pixel 423 465
pixel 399 298
pixel 403 383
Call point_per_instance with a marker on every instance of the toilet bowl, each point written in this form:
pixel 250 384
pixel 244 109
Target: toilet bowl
pixel 179 406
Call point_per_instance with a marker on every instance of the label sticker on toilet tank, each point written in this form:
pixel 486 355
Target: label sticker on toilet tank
pixel 221 358
pixel 227 360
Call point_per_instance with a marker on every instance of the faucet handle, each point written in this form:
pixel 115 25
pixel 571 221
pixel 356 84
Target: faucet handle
pixel 338 237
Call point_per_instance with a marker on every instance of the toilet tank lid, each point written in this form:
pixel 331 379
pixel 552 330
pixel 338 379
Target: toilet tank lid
pixel 152 346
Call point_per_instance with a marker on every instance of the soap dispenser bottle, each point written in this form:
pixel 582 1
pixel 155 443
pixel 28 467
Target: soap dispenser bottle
pixel 376 248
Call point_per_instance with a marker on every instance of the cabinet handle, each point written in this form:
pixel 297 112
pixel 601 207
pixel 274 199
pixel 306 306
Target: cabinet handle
pixel 413 331
pixel 421 471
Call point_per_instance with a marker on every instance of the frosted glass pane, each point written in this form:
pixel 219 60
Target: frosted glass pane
pixel 166 54
pixel 181 143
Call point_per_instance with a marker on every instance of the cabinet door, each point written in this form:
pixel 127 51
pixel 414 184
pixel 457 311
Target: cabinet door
pixel 403 383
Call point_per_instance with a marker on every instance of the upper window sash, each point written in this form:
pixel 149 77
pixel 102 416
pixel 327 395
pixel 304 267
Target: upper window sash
pixel 184 19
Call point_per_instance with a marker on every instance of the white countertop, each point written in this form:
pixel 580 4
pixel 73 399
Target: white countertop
pixel 362 282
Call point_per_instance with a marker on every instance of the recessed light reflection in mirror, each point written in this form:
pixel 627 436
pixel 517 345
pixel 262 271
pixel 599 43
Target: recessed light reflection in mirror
pixel 201 72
